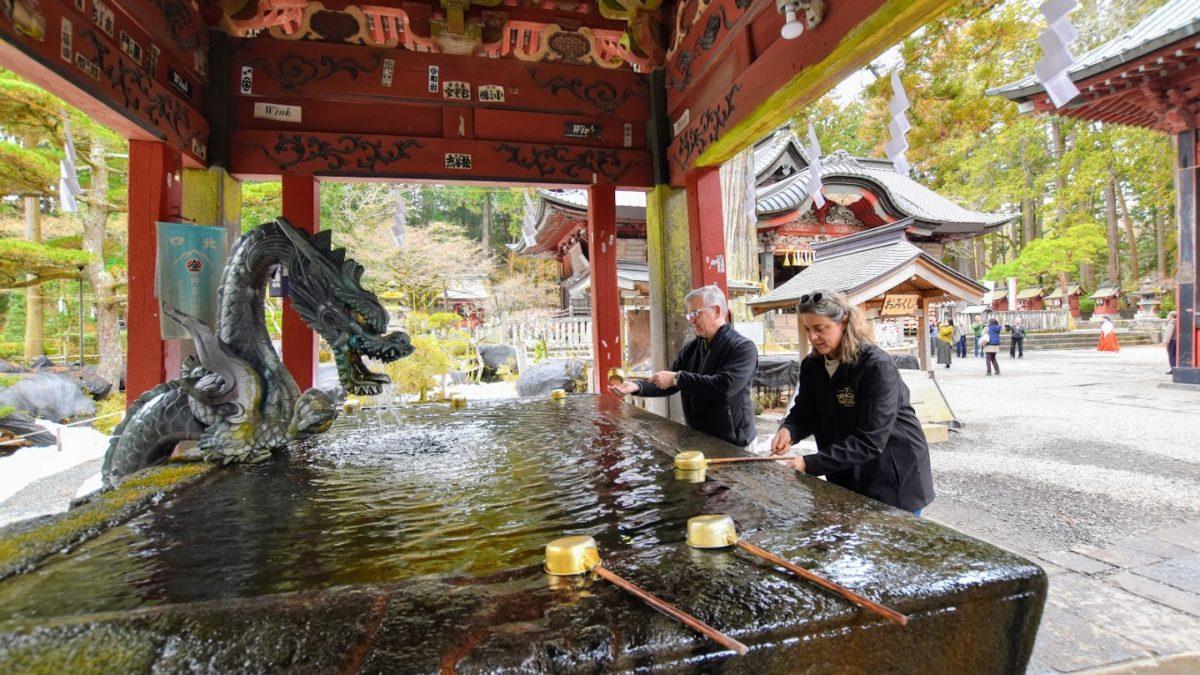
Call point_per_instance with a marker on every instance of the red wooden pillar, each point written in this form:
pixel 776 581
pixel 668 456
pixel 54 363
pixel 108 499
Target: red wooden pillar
pixel 302 207
pixel 606 299
pixel 155 193
pixel 706 227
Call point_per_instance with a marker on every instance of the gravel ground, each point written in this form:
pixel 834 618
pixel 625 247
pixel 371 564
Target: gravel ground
pixel 1067 448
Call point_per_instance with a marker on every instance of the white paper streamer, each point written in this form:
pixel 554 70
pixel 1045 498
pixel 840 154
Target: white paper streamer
pixel 897 145
pixel 814 169
pixel 1051 71
pixel 68 182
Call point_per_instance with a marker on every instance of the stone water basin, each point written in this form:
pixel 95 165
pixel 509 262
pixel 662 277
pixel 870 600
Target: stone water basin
pixel 411 540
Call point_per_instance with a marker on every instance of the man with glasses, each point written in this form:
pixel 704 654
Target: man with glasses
pixel 712 373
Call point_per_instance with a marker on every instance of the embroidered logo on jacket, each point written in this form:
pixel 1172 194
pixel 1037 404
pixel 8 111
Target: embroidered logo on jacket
pixel 845 397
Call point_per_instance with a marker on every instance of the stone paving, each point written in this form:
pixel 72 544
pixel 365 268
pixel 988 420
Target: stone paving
pixel 1079 461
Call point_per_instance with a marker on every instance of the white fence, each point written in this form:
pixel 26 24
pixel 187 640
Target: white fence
pixel 1032 320
pixel 556 337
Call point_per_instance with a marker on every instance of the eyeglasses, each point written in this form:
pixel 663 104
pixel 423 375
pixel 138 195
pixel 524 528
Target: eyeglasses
pixel 811 298
pixel 691 316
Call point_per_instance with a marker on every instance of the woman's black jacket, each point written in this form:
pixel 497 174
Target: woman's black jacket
pixel 868 437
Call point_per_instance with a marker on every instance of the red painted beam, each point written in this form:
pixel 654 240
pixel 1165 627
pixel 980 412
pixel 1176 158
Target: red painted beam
pixel 256 153
pixel 408 119
pixel 315 70
pixel 174 26
pixel 731 90
pixel 302 207
pixel 706 228
pixel 155 193
pixel 606 297
pixel 79 61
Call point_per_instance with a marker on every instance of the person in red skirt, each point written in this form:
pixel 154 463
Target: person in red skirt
pixel 1108 337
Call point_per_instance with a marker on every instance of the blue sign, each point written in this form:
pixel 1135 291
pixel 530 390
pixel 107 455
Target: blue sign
pixel 191 259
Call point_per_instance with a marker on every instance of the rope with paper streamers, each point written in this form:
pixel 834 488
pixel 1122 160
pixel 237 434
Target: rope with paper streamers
pixel 814 169
pixel 898 127
pixel 1051 71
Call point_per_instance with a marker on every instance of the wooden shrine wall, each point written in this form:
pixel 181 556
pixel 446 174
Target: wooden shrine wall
pixel 353 111
pixel 139 66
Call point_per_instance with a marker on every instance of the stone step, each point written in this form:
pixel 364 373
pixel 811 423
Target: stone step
pixel 935 433
pixel 1077 340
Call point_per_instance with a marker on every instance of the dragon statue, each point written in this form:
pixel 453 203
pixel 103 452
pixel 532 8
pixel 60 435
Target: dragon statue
pixel 236 399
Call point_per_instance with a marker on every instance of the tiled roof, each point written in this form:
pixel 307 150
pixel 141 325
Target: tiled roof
pixel 909 197
pixel 1177 20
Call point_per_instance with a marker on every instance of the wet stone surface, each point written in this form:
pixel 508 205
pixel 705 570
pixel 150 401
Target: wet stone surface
pixel 412 540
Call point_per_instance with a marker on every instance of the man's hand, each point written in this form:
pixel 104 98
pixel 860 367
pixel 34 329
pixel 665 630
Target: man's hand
pixel 623 388
pixel 663 379
pixel 798 464
pixel 782 441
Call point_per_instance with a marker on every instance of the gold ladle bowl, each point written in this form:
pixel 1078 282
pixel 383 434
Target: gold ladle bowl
pixel 690 460
pixel 569 556
pixel 713 531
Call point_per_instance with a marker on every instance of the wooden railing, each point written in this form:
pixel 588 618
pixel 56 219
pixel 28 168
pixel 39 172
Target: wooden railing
pixel 1032 320
pixel 557 337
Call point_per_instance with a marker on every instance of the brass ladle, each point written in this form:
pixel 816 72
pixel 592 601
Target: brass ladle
pixel 694 460
pixel 570 556
pixel 718 531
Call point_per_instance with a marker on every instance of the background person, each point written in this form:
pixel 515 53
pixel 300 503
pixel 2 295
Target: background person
pixel 852 400
pixel 992 348
pixel 945 350
pixel 1016 339
pixel 1108 337
pixel 712 373
pixel 977 329
pixel 1169 339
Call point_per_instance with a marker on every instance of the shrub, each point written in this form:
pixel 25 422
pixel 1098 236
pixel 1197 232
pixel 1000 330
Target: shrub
pixel 1087 305
pixel 114 402
pixel 418 372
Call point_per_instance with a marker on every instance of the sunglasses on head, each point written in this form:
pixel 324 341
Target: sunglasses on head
pixel 811 298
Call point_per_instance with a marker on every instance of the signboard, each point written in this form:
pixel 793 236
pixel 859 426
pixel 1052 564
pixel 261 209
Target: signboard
pixel 277 112
pixel 900 305
pixel 581 130
pixel 191 259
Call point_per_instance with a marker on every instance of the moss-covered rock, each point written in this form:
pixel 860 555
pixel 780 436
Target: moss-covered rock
pixel 23 545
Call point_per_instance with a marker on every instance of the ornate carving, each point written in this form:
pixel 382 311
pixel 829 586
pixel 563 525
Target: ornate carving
pixel 177 15
pixel 561 160
pixel 293 149
pixel 694 140
pixel 295 71
pixel 599 94
pixel 167 109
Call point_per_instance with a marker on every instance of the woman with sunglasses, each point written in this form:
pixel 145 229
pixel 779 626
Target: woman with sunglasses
pixel 852 400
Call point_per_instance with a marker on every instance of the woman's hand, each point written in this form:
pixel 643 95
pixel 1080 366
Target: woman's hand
pixel 623 388
pixel 782 441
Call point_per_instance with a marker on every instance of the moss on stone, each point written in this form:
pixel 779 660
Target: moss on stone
pixel 22 547
pixel 81 649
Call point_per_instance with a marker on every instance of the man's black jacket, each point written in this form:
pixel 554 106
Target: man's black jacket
pixel 868 437
pixel 714 383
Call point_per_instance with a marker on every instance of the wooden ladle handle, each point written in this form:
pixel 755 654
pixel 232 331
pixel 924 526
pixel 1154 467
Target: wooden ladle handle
pixel 673 611
pixel 731 460
pixel 889 614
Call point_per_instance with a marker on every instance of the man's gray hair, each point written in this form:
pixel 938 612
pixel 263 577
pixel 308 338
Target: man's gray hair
pixel 711 296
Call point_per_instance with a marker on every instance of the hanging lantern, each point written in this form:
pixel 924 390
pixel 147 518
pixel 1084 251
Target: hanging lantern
pixel 62 305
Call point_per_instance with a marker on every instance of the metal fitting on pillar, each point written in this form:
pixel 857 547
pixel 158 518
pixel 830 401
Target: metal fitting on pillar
pixel 814 12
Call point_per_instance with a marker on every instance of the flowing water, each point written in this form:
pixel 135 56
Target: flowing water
pixel 389 494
